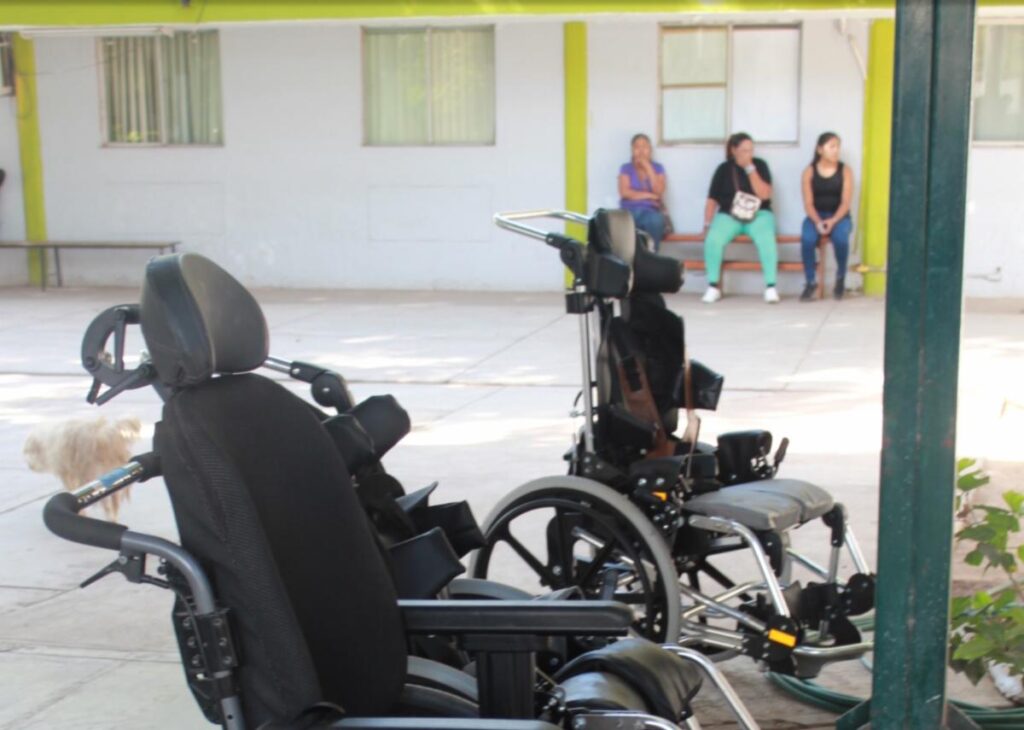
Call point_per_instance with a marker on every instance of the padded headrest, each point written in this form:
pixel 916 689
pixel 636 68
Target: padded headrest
pixel 613 231
pixel 197 320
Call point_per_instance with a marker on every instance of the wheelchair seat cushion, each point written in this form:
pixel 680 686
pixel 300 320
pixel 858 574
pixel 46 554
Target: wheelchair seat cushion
pixel 627 672
pixel 768 504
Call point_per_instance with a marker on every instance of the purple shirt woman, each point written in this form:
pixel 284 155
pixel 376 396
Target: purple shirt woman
pixel 641 187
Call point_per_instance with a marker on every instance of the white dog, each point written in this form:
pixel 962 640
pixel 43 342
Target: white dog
pixel 79 451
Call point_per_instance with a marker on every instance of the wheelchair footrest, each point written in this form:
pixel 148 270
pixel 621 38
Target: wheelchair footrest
pixel 829 601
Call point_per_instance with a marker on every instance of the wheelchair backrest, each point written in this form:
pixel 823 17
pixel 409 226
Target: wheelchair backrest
pixel 645 335
pixel 262 499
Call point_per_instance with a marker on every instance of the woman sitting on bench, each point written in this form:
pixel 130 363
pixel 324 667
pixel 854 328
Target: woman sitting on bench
pixel 740 201
pixel 827 186
pixel 641 185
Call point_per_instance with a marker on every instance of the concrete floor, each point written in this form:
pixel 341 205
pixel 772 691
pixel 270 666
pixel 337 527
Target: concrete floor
pixel 488 380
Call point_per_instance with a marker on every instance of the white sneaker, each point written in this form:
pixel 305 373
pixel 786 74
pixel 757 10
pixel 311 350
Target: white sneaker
pixel 771 296
pixel 712 295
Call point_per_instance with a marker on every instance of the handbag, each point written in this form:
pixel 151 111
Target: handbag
pixel 669 228
pixel 744 205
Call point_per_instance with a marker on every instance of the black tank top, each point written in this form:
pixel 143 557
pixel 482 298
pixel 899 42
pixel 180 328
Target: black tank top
pixel 827 191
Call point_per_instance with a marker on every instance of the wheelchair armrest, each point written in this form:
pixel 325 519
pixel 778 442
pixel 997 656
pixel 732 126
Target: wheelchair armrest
pixel 438 723
pixel 530 618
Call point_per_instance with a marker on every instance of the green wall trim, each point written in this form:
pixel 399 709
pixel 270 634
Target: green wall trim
pixel 873 217
pixel 575 60
pixel 118 12
pixel 30 147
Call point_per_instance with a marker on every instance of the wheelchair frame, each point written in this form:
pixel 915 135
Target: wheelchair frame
pixel 773 641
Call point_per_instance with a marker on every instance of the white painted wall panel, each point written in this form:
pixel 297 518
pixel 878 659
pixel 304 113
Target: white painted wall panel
pixel 994 255
pixel 766 83
pixel 293 198
pixel 13 264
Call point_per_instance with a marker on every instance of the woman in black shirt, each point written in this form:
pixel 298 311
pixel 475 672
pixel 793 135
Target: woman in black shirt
pixel 740 201
pixel 827 188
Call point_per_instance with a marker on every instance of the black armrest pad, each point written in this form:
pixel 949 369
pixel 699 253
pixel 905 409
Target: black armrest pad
pixel 438 723
pixel 533 618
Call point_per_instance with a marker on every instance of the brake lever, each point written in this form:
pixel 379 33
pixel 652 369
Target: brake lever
pixel 132 566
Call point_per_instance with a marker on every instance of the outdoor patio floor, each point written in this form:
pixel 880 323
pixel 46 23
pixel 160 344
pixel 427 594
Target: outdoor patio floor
pixel 488 379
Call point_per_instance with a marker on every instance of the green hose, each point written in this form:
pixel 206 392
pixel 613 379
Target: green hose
pixel 812 693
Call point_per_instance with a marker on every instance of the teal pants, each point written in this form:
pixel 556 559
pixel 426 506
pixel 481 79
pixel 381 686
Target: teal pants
pixel 724 228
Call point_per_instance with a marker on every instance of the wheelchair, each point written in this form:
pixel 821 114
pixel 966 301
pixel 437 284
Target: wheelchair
pixel 286 609
pixel 648 517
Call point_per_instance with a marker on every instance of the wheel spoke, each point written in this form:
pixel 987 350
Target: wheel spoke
pixel 546 576
pixel 560 544
pixel 599 560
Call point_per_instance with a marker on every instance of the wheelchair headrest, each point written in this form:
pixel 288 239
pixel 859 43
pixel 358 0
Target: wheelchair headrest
pixel 613 231
pixel 197 320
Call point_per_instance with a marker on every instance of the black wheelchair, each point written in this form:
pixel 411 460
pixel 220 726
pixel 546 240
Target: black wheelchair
pixel 647 517
pixel 286 608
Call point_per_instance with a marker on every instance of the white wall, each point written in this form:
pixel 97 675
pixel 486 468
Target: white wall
pixel 623 88
pixel 293 199
pixel 994 254
pixel 13 263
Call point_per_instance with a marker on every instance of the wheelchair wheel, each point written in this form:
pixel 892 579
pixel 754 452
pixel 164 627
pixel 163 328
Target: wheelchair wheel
pixel 566 531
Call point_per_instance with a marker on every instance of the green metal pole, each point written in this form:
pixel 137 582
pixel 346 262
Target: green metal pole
pixel 931 111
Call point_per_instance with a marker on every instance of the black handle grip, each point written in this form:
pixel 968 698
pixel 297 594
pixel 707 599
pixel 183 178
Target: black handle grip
pixel 150 463
pixel 61 517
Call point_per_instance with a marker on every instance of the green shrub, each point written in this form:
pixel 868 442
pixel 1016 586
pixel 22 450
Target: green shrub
pixel 988 626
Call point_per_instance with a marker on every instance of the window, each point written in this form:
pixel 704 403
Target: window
pixel 6 65
pixel 428 86
pixel 716 80
pixel 162 90
pixel 999 83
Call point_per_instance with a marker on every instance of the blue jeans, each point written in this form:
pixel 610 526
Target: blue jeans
pixel 840 235
pixel 651 222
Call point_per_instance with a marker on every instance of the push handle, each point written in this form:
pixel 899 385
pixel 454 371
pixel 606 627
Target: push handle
pixel 62 518
pixel 61 513
pixel 512 221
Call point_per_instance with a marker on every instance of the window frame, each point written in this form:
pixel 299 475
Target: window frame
pixel 101 83
pixel 427 30
pixel 730 29
pixel 988 143
pixel 7 72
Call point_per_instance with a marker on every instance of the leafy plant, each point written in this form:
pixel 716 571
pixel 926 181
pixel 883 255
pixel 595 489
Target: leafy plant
pixel 988 626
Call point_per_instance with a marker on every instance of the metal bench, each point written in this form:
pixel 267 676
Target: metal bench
pixel 697 264
pixel 56 246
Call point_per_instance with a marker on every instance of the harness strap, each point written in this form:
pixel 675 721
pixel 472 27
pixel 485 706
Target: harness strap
pixel 636 390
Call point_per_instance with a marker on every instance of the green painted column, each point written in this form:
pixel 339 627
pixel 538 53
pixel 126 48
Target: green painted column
pixel 575 72
pixel 931 119
pixel 873 217
pixel 30 146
